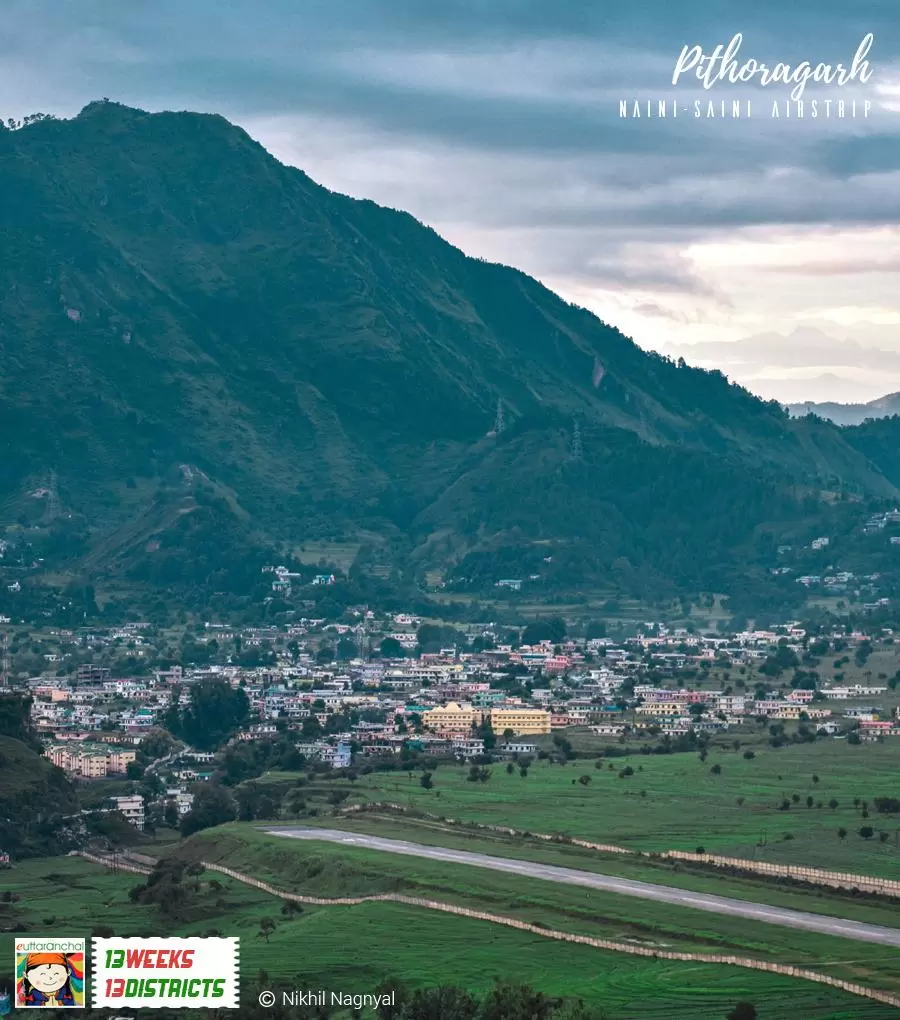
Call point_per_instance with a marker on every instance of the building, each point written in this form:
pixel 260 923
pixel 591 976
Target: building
pixel 89 760
pixel 338 757
pixel 467 747
pixel 182 800
pixel 450 718
pixel 132 808
pixel 520 720
pixel 520 747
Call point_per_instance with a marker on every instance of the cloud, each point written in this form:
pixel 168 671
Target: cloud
pixel 497 123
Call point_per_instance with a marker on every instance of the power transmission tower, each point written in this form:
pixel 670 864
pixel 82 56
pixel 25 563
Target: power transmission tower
pixel 4 675
pixel 499 421
pixel 576 441
pixel 52 498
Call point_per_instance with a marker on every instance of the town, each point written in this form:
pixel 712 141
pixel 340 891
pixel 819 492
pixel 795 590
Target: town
pixel 505 696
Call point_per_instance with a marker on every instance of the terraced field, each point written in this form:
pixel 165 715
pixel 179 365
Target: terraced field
pixel 353 949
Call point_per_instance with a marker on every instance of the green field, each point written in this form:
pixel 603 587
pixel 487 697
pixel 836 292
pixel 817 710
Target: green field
pixel 679 874
pixel 354 948
pixel 684 805
pixel 326 869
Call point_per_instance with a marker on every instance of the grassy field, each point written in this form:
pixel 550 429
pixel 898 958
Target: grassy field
pixel 329 870
pixel 677 802
pixel 678 874
pixel 353 948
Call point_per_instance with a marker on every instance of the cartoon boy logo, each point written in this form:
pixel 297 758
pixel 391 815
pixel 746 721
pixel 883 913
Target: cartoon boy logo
pixel 50 979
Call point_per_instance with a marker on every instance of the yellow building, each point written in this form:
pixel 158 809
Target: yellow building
pixel 787 711
pixel 119 759
pixel 450 718
pixel 520 720
pixel 662 709
pixel 93 766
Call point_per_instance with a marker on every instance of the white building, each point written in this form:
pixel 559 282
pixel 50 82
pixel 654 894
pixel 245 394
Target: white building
pixel 132 808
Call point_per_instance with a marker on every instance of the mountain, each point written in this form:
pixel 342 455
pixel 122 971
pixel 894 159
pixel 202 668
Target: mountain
pixel 850 414
pixel 205 356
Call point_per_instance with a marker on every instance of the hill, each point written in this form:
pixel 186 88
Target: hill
pixel 204 355
pixel 850 414
pixel 34 798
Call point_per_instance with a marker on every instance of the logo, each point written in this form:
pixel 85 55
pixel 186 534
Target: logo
pixel 49 973
pixel 170 972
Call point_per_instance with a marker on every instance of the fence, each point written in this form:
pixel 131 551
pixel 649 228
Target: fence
pixel 813 876
pixel 551 933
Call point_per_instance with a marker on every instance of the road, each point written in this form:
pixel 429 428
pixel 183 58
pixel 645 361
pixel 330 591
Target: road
pixel 856 930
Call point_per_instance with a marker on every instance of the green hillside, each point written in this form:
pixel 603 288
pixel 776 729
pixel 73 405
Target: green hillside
pixel 34 797
pixel 204 352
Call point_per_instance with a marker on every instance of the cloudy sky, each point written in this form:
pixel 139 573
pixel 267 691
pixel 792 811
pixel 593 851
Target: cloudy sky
pixel 767 247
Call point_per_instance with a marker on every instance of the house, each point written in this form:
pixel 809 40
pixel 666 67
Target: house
pixel 132 808
pixel 182 800
pixel 338 756
pixel 467 747
pixel 520 747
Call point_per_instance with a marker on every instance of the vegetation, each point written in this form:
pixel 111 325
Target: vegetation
pixel 310 948
pixel 385 349
pixel 741 809
pixel 38 806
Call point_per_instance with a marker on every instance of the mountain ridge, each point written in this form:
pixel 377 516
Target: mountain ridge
pixel 849 413
pixel 177 298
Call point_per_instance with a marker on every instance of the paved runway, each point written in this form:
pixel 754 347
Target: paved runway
pixel 856 930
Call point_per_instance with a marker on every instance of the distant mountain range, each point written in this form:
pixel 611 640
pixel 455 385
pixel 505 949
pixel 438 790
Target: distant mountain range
pixel 204 352
pixel 850 414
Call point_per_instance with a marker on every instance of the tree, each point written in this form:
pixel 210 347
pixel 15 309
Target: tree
pixel 584 780
pixel 833 804
pixel 742 1011
pixel 213 805
pixel 842 833
pixel 266 927
pixel 867 832
pixel 716 770
pixel 426 782
pixel 391 649
pixel 170 814
pixel 347 649
pixel 749 755
pixel 215 713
